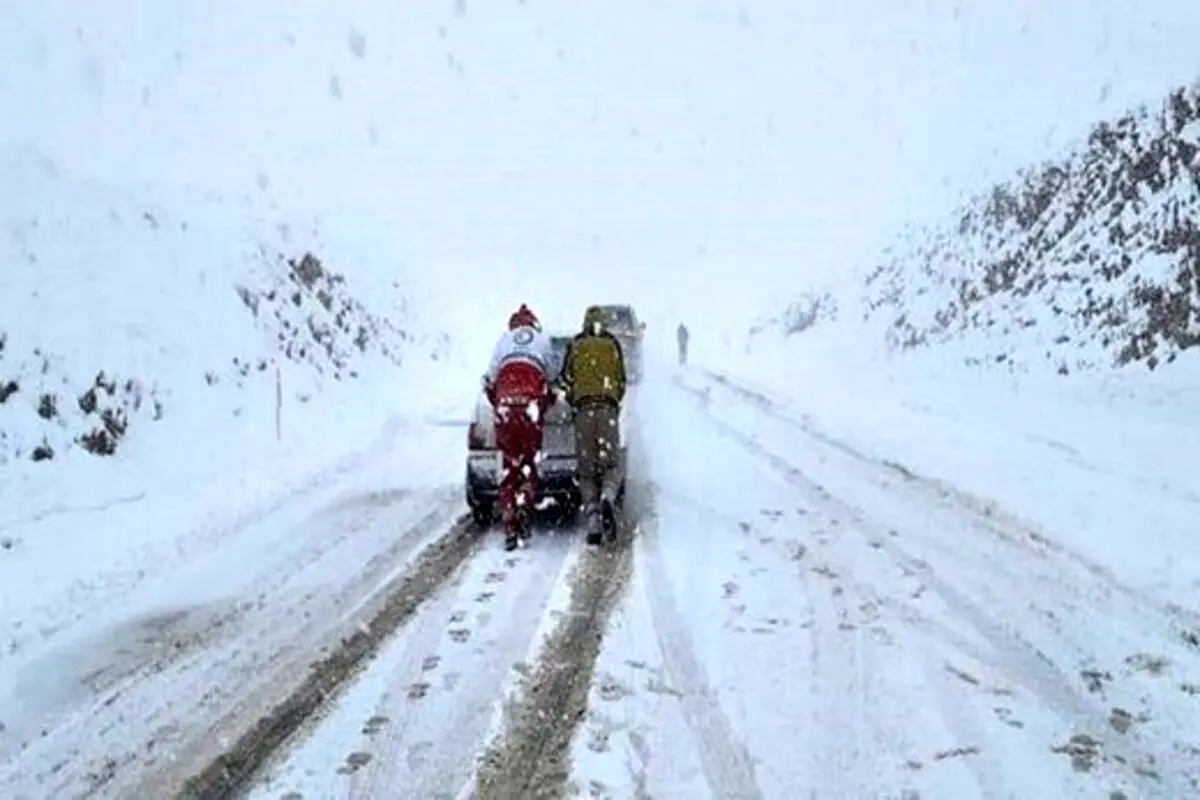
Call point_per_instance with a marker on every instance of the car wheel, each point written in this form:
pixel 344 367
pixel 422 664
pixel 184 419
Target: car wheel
pixel 566 512
pixel 483 514
pixel 482 510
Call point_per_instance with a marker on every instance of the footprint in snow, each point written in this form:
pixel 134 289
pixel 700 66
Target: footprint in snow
pixel 374 725
pixel 1151 664
pixel 1005 715
pixel 598 738
pixel 610 689
pixel 962 674
pixel 956 752
pixel 597 790
pixel 1095 679
pixel 354 762
pixel 1120 720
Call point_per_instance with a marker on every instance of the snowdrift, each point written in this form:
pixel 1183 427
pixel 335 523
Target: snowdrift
pixel 136 319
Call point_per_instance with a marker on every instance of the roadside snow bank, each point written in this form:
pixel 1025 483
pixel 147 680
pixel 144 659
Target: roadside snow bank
pixel 252 364
pixel 165 342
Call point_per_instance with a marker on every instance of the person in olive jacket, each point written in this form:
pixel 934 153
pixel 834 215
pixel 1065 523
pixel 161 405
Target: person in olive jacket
pixel 594 380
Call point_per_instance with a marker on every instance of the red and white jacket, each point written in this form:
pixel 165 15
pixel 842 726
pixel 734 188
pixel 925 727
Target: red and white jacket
pixel 520 367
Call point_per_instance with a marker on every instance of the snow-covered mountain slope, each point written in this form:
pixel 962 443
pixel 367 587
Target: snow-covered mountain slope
pixel 133 315
pixel 1087 262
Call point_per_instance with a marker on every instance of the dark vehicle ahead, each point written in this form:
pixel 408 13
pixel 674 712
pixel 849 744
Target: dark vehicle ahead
pixel 623 322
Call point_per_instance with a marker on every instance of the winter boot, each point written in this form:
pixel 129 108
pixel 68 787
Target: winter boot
pixel 513 531
pixel 608 519
pixel 524 523
pixel 595 527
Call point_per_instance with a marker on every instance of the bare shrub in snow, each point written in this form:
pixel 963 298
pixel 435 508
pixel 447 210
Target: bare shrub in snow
pixel 799 315
pixel 96 421
pixel 315 320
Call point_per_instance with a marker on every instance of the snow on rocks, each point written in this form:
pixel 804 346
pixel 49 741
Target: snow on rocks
pixel 1081 264
pixel 124 306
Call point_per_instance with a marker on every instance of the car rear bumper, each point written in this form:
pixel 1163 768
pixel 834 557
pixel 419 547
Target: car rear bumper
pixel 556 474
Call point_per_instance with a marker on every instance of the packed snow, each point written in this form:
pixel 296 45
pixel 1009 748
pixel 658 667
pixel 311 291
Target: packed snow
pixel 917 520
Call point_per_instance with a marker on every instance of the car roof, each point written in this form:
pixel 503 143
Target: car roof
pixel 619 310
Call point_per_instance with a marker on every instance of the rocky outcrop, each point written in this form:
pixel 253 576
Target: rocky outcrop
pixel 1088 262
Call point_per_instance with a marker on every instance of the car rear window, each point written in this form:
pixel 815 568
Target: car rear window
pixel 559 344
pixel 619 316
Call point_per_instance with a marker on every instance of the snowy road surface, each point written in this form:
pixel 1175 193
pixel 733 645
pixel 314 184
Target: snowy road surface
pixel 784 617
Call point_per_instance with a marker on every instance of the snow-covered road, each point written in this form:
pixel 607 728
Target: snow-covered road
pixel 911 637
pixel 787 616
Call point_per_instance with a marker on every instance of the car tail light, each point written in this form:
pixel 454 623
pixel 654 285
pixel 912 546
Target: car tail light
pixel 475 438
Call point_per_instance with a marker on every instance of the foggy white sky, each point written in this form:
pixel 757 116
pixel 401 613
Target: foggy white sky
pixel 737 148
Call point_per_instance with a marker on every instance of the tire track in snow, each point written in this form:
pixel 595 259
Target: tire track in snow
pixel 1014 653
pixel 840 661
pixel 727 762
pixel 230 772
pixel 530 758
pixel 163 686
pixel 428 747
pixel 1004 526
pixel 842 664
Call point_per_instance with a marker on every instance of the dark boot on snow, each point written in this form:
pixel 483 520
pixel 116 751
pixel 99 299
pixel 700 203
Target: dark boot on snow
pixel 608 519
pixel 516 531
pixel 595 528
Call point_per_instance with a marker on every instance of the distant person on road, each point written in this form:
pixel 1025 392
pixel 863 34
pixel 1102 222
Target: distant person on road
pixel 517 385
pixel 682 335
pixel 594 379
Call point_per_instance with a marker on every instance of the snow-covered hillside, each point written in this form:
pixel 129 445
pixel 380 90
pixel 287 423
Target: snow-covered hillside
pixel 135 317
pixel 1087 262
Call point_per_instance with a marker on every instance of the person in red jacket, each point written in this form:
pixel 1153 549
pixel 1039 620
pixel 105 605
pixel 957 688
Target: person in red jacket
pixel 518 386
